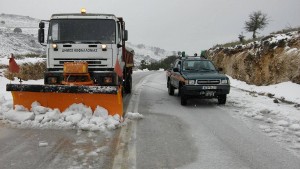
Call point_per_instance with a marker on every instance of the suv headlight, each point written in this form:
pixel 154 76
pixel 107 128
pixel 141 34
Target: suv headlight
pixel 191 82
pixel 225 81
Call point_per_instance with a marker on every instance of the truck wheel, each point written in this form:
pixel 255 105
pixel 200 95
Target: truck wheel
pixel 183 100
pixel 128 84
pixel 222 99
pixel 170 89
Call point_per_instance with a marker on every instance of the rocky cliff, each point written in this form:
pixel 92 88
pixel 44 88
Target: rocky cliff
pixel 274 59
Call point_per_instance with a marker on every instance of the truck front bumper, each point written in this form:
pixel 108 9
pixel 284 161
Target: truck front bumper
pixel 205 91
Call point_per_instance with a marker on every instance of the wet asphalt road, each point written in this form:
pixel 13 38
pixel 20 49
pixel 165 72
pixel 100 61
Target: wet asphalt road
pixel 199 135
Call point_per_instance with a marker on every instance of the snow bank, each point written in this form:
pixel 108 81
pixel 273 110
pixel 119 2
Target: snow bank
pixel 286 90
pixel 18 116
pixel 77 116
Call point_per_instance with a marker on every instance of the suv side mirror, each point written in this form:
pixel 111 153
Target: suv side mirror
pixel 119 45
pixel 220 69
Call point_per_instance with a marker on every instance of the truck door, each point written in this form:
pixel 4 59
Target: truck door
pixel 119 38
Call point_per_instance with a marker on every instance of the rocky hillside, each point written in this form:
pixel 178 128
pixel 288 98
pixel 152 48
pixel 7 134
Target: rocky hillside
pixel 274 59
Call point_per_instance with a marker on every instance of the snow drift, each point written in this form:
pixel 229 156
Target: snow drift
pixel 77 116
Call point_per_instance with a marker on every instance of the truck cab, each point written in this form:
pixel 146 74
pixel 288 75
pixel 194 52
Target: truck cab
pixel 97 39
pixel 197 77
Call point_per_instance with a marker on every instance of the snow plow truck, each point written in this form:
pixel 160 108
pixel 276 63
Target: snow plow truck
pixel 87 62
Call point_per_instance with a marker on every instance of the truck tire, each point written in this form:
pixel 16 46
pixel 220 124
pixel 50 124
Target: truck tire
pixel 222 99
pixel 128 84
pixel 170 89
pixel 183 100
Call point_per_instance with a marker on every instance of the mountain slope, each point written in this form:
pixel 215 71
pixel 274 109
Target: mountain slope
pixel 18 43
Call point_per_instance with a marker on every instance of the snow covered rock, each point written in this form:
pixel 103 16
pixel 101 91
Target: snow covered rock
pixel 131 115
pixel 283 123
pixel 74 118
pixel 18 116
pixel 53 115
pixel 294 127
pixel 36 108
pixel 258 117
pixel 101 112
pixel 43 143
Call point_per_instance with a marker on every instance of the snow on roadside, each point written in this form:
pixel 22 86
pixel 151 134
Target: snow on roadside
pixel 131 115
pixel 280 121
pixel 77 116
pixel 4 81
pixel 286 90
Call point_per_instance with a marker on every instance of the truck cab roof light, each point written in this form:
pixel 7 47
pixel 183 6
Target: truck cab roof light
pixel 83 11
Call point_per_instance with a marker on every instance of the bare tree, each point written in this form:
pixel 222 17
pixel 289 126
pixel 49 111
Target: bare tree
pixel 257 21
pixel 242 38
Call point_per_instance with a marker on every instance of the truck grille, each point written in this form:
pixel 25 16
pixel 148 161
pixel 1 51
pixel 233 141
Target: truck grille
pixel 208 81
pixel 91 62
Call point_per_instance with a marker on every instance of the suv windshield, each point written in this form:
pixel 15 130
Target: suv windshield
pixel 82 30
pixel 198 65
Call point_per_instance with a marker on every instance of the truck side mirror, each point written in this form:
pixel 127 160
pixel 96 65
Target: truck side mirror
pixel 119 45
pixel 125 37
pixel 41 35
pixel 220 69
pixel 175 69
pixel 42 25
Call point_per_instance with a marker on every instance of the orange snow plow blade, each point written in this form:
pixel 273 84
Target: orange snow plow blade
pixel 61 97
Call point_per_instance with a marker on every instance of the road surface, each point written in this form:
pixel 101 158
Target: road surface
pixel 199 135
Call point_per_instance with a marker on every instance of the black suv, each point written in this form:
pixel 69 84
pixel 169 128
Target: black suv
pixel 197 77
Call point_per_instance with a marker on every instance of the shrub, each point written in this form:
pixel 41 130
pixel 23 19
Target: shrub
pixel 29 55
pixel 28 71
pixel 165 63
pixel 17 30
pixel 287 30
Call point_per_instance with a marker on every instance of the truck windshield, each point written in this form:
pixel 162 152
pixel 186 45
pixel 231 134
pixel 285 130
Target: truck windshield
pixel 82 31
pixel 198 65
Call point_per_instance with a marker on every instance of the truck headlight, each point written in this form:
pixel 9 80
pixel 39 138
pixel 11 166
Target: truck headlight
pixel 104 47
pixel 52 80
pixel 108 80
pixel 54 46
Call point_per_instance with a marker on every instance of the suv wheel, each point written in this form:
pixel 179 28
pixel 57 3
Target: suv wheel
pixel 170 89
pixel 179 90
pixel 222 99
pixel 183 100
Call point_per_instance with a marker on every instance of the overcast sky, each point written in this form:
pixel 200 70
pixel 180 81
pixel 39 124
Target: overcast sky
pixel 185 25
